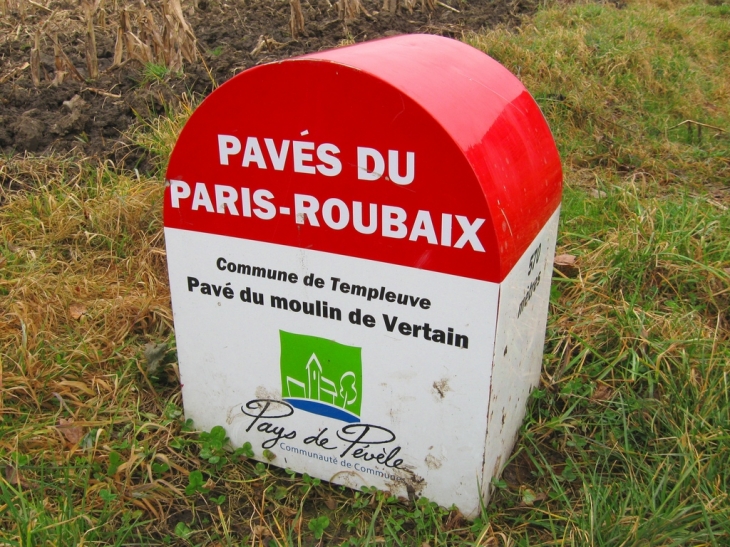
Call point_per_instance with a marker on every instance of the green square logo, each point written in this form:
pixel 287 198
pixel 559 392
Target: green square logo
pixel 321 376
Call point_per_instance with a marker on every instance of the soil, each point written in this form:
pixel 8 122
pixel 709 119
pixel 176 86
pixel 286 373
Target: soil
pixel 88 118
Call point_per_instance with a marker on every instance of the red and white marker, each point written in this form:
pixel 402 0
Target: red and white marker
pixel 360 247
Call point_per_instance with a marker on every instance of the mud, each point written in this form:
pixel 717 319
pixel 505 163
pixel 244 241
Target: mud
pixel 88 118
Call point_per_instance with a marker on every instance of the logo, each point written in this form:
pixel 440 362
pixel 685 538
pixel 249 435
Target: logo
pixel 321 376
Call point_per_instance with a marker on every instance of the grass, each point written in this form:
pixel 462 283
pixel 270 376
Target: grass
pixel 154 72
pixel 627 437
pixel 618 85
pixel 626 441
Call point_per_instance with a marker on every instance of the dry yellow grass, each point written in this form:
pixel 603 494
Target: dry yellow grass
pixel 84 269
pixel 157 34
pixel 624 444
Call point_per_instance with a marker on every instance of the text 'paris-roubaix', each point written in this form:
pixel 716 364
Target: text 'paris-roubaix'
pixel 387 220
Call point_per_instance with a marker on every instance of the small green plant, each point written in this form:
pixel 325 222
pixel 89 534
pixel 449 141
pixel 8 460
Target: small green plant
pixel 115 460
pixel 160 468
pixel 212 445
pixel 318 525
pixel 215 448
pixel 153 72
pixel 182 530
pixel 218 500
pixel 106 495
pixel 195 484
pixel 245 450
pixel 309 483
pixel 277 493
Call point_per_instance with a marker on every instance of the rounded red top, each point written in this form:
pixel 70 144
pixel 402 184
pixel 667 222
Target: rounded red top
pixel 415 150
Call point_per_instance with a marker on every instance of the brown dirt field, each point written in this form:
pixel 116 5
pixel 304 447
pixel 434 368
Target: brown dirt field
pixel 231 36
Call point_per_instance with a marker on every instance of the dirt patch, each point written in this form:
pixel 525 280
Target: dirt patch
pixel 88 117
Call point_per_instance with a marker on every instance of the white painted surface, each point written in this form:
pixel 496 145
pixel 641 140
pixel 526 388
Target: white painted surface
pixel 519 348
pixel 433 397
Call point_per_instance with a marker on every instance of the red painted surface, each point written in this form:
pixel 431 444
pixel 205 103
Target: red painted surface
pixel 482 150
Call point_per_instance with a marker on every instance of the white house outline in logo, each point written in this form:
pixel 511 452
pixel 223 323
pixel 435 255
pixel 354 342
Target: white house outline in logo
pixel 317 384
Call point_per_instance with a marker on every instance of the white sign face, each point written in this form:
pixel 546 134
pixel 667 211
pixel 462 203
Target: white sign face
pixel 355 371
pixel 360 271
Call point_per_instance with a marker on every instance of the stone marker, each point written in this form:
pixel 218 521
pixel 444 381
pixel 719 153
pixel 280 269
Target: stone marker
pixel 360 246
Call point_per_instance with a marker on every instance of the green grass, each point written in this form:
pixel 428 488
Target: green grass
pixel 616 84
pixel 155 72
pixel 626 441
pixel 627 437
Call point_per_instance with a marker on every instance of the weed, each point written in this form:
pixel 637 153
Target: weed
pixel 183 531
pixel 153 72
pixel 195 484
pixel 318 526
